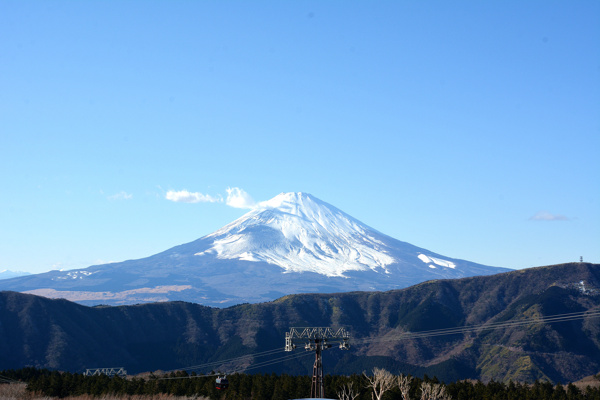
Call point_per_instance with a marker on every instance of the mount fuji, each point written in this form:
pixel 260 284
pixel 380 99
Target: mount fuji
pixel 293 243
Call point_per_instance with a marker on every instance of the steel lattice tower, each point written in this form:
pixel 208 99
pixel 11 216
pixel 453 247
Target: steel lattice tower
pixel 316 339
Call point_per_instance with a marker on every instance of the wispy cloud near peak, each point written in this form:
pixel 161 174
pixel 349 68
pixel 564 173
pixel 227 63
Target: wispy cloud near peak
pixel 184 196
pixel 122 195
pixel 238 198
pixel 546 216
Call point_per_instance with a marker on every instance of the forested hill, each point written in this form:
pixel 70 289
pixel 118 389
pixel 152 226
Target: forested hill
pixel 59 334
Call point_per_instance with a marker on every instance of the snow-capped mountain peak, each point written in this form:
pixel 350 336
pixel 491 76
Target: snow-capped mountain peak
pixel 301 233
pixel 293 243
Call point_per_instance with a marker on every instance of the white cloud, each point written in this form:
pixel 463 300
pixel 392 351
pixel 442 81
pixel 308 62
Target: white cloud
pixel 238 198
pixel 122 195
pixel 546 216
pixel 183 196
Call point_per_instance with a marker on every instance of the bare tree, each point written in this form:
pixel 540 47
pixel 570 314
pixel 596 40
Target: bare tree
pixel 404 385
pixel 433 391
pixel 347 393
pixel 381 382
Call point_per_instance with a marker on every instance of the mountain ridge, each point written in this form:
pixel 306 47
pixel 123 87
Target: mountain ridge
pixel 7 274
pixel 59 334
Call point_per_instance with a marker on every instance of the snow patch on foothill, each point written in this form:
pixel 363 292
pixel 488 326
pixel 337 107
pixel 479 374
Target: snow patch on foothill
pixel 79 274
pixel 438 261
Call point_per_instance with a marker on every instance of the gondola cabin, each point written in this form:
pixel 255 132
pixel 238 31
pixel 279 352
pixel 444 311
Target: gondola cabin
pixel 221 383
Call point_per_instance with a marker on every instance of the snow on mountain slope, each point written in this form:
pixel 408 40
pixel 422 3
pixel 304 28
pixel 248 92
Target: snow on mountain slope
pixel 300 233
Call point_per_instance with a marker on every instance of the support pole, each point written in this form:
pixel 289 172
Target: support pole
pixel 317 389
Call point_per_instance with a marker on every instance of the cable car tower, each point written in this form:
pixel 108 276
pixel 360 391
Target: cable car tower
pixel 315 339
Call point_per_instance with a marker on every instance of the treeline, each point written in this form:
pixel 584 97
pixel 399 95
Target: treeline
pixel 284 387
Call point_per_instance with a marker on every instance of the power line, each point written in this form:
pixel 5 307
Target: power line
pixel 557 318
pixel 240 358
pixel 276 361
pixel 481 327
pixel 253 366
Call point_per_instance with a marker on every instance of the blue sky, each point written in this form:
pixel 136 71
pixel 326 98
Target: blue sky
pixel 471 129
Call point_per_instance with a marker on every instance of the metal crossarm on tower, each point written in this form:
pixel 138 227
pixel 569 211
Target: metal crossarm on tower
pixel 119 371
pixel 315 339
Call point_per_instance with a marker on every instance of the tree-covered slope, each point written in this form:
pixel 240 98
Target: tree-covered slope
pixel 40 332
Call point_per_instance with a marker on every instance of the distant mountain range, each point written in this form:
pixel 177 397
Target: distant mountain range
pixel 6 274
pixel 293 243
pixel 487 327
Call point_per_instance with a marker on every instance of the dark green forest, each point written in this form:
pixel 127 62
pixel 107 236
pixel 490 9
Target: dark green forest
pixel 279 387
